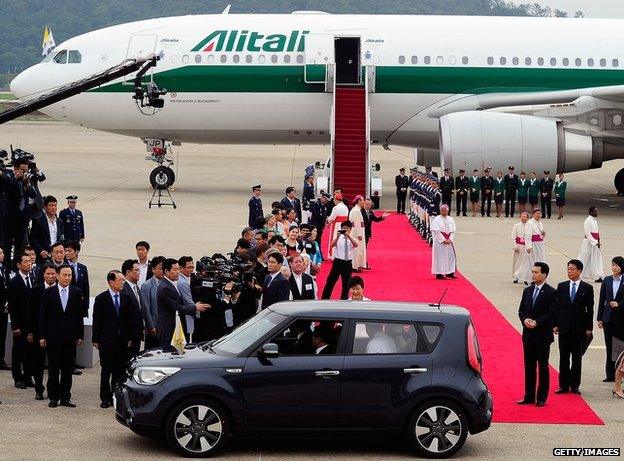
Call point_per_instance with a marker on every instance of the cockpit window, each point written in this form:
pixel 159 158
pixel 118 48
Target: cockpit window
pixel 48 57
pixel 61 57
pixel 75 57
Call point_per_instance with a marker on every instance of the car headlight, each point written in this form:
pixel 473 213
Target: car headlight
pixel 148 376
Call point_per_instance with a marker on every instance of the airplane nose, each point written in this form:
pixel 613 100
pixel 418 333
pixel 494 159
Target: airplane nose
pixel 21 85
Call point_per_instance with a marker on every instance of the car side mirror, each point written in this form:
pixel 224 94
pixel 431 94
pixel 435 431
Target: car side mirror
pixel 269 351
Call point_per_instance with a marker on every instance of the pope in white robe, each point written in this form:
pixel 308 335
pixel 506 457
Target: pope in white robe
pixel 518 235
pixel 591 251
pixel 534 238
pixel 443 259
pixel 339 214
pixel 358 233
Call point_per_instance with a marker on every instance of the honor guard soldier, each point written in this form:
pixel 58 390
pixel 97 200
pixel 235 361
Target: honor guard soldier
pixel 73 221
pixel 487 186
pixel 546 185
pixel 475 188
pixel 511 187
pixel 462 185
pixel 446 187
pixel 255 206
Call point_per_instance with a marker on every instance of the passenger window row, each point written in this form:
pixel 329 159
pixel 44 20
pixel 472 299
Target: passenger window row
pixel 238 58
pixel 514 61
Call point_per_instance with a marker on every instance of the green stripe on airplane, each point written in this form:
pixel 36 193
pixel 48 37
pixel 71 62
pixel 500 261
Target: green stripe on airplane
pixel 389 79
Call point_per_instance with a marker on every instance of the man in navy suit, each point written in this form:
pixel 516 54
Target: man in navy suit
pixel 73 221
pixel 46 230
pixel 4 312
pixel 131 272
pixel 80 278
pixel 111 334
pixel 290 201
pixel 61 329
pixel 538 309
pixel 573 325
pixel 275 287
pixel 611 296
pixel 255 206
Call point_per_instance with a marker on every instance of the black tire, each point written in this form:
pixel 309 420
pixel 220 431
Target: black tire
pixel 162 177
pixel 208 434
pixel 618 182
pixel 445 437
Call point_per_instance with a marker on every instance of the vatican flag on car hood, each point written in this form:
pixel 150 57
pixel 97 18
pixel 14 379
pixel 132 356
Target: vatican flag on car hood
pixel 178 340
pixel 48 42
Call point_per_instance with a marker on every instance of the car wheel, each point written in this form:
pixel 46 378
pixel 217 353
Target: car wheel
pixel 438 429
pixel 197 428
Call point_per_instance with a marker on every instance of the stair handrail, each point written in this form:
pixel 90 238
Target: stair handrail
pixel 367 147
pixel 332 128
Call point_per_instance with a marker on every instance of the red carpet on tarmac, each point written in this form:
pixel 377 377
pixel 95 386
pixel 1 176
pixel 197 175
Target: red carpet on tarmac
pixel 401 271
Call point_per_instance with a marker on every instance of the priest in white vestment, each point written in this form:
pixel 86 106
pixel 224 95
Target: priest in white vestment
pixel 518 235
pixel 358 233
pixel 591 249
pixel 534 238
pixel 443 258
pixel 339 214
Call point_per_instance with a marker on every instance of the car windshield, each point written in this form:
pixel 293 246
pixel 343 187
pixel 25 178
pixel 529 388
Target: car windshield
pixel 248 333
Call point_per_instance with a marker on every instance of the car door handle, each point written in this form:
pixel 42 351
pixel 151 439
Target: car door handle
pixel 327 373
pixel 414 371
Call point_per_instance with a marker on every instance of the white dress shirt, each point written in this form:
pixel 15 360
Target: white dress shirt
pixel 142 272
pixel 53 230
pixel 343 248
pixel 616 285
pixel 572 283
pixel 319 349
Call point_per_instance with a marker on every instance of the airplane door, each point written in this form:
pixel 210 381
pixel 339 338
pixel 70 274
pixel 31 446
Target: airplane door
pixel 140 46
pixel 319 57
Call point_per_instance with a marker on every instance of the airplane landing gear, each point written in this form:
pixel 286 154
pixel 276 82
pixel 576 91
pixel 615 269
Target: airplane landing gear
pixel 161 177
pixel 618 182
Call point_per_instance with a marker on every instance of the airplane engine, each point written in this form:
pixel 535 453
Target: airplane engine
pixel 479 139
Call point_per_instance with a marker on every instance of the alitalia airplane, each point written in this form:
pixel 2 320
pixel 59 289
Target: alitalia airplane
pixel 468 92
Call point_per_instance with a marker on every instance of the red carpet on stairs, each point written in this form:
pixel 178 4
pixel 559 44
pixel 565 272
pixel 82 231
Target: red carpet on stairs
pixel 401 271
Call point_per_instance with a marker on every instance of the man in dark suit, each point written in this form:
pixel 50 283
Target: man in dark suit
pixel 255 206
pixel 447 185
pixel 80 278
pixel 318 215
pixel 73 221
pixel 322 343
pixel 61 329
pixel 462 185
pixel 302 285
pixel 511 187
pixel 34 314
pixel 303 344
pixel 429 172
pixel 4 311
pixel 546 185
pixel 275 287
pixel 290 201
pixel 46 230
pixel 487 186
pixel 401 182
pixel 170 303
pixel 369 217
pixel 573 325
pixel 611 296
pixel 112 317
pixel 19 290
pixel 17 190
pixel 131 273
pixel 538 309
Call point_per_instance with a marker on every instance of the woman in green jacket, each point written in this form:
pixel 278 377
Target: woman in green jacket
pixel 523 191
pixel 533 191
pixel 499 192
pixel 560 191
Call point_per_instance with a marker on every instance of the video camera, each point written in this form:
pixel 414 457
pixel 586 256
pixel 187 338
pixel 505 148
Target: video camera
pixel 17 154
pixel 214 272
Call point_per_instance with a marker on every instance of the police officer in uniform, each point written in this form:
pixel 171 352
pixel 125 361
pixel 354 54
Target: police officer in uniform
pixel 73 221
pixel 401 182
pixel 546 185
pixel 255 206
pixel 461 189
pixel 511 187
pixel 446 187
pixel 487 186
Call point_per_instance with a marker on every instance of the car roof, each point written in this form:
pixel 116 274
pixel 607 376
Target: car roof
pixel 390 310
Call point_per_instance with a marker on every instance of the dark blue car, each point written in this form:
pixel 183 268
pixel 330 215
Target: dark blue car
pixel 317 367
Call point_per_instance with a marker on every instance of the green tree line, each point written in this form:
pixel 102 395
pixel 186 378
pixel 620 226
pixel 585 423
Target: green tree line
pixel 22 24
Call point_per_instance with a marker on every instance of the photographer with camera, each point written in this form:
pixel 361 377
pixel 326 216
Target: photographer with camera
pixel 18 190
pixel 342 248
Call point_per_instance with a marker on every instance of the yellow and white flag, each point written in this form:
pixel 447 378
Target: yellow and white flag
pixel 48 41
pixel 178 340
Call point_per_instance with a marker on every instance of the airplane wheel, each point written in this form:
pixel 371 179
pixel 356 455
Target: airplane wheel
pixel 162 177
pixel 618 182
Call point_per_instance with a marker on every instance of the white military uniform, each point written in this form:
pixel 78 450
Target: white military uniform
pixel 534 240
pixel 518 233
pixel 359 253
pixel 443 260
pixel 591 254
pixel 339 214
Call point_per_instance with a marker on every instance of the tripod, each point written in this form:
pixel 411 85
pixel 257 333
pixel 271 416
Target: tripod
pixel 162 197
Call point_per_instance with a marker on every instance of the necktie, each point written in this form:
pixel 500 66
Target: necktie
pixel 28 285
pixel 75 271
pixel 136 293
pixel 573 292
pixel 22 205
pixel 535 295
pixel 64 298
pixel 346 247
pixel 116 303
